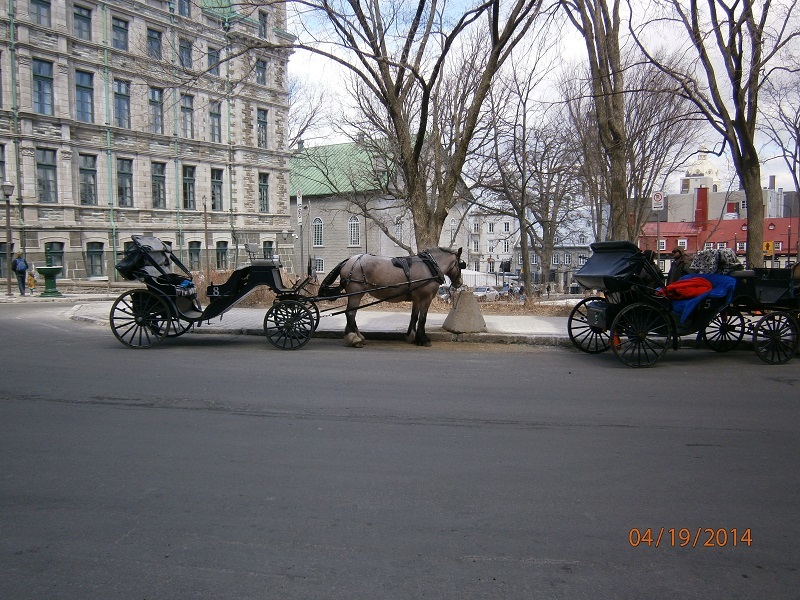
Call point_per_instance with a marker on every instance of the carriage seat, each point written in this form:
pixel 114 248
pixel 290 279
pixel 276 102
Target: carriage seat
pixel 257 257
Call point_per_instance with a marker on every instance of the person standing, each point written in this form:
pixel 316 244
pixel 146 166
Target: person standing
pixel 679 266
pixel 20 266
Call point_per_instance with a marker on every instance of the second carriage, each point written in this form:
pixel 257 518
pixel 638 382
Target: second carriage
pixel 635 320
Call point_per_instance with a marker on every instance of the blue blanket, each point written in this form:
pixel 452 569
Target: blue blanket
pixel 723 287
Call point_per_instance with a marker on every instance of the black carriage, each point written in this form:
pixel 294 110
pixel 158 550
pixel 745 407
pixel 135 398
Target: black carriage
pixel 168 306
pixel 639 324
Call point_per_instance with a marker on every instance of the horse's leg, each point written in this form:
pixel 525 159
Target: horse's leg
pixel 412 324
pixel 352 336
pixel 422 339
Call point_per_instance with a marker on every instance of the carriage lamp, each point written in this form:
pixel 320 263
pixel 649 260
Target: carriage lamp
pixel 8 190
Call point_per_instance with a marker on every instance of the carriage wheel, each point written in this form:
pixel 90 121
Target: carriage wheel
pixel 775 338
pixel 305 301
pixel 140 318
pixel 288 325
pixel 178 327
pixel 725 330
pixel 640 334
pixel 586 337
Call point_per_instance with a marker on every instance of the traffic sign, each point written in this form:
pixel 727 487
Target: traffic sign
pixel 658 201
pixel 768 246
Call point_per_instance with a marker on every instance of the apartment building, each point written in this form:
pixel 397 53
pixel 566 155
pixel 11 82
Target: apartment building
pixel 143 117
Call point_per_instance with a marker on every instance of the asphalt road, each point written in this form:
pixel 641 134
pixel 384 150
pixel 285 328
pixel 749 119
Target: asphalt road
pixel 218 467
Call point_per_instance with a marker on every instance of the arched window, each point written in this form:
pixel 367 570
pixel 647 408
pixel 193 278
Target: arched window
pixel 317 232
pixel 354 228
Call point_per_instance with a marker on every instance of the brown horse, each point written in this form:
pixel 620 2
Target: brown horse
pixel 408 278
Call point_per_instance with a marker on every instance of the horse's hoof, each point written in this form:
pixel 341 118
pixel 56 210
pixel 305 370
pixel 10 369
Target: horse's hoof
pixel 353 340
pixel 425 342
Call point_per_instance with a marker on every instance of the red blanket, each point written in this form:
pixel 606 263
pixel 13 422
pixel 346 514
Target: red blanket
pixel 688 287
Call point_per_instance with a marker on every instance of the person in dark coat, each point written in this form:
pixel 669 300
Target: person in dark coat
pixel 679 266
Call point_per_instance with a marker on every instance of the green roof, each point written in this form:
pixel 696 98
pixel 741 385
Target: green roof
pixel 331 170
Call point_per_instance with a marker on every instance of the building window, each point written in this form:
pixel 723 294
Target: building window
pixel 354 231
pixel 490 244
pixel 185 8
pixel 87 174
pixel 708 246
pixel 154 48
pixel 263 24
pixel 216 189
pixel 778 246
pixel 40 12
pixel 125 182
pixel 317 232
pixel 261 133
pixel 46 175
pixel 158 173
pixel 567 259
pixel 2 162
pixel 187 116
pixel 155 98
pixel 84 97
pixel 185 53
pixel 42 87
pixel 188 188
pixel 222 255
pixel 122 103
pixel 269 248
pixel 581 259
pixel 194 256
pixel 741 246
pixel 215 121
pixel 82 23
pixel 476 246
pixel 506 227
pixel 213 61
pixel 119 34
pixel 581 239
pixel 319 265
pixel 263 192
pixel 662 245
pixel 476 227
pixel 555 258
pixel 721 245
pixel 261 71
pixel 683 244
pixel 506 246
pixel 94 259
pixel 534 259
pixel 490 227
pixel 398 231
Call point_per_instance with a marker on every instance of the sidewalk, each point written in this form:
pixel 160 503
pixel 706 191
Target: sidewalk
pixel 374 324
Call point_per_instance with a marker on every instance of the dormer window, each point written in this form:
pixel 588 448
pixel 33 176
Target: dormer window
pixel 771 226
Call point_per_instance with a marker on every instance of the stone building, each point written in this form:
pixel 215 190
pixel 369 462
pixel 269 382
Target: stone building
pixel 125 117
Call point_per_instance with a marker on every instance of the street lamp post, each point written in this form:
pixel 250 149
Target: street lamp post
pixel 8 190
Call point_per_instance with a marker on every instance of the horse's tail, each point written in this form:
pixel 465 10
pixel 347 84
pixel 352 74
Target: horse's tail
pixel 325 288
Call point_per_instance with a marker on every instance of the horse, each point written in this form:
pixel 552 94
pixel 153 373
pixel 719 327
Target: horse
pixel 401 279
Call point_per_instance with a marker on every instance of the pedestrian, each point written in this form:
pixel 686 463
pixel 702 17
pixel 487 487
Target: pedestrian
pixel 548 290
pixel 20 266
pixel 679 266
pixel 31 281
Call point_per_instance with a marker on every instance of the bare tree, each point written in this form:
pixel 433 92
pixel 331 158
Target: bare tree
pixel 307 113
pixel 400 55
pixel 599 23
pixel 735 46
pixel 527 168
pixel 781 122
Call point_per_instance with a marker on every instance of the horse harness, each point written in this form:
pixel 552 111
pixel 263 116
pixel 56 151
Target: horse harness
pixel 402 262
